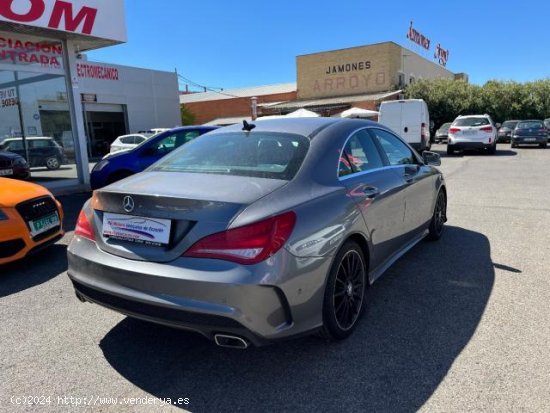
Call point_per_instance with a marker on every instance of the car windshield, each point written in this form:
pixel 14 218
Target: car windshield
pixel 471 121
pixel 257 154
pixel 531 124
pixel 510 124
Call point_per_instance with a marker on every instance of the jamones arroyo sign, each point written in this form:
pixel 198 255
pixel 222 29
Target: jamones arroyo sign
pixel 97 18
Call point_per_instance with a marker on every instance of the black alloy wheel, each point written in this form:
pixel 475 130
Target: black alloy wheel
pixel 439 217
pixel 345 292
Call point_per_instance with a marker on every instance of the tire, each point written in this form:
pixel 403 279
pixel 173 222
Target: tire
pixel 543 145
pixel 344 300
pixel 117 176
pixel 450 150
pixel 439 217
pixel 52 163
pixel 492 150
pixel 513 145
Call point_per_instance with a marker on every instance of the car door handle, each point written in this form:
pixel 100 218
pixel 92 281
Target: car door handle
pixel 370 191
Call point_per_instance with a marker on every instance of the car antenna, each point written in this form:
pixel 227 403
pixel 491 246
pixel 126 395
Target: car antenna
pixel 248 126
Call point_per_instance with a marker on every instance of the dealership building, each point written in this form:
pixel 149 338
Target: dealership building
pixel 48 87
pixel 327 83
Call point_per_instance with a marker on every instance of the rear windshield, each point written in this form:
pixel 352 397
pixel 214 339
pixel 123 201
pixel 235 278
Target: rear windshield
pixel 511 124
pixel 257 154
pixel 530 124
pixel 471 122
pixel 445 126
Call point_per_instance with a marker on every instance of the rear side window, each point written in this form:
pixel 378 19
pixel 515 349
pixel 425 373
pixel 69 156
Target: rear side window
pixel 360 154
pixel 397 152
pixel 261 154
pixel 530 125
pixel 472 121
pixel 14 145
pixel 127 140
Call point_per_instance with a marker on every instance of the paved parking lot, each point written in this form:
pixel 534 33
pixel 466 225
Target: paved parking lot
pixel 457 325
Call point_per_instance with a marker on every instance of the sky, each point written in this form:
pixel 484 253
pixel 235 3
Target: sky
pixel 230 44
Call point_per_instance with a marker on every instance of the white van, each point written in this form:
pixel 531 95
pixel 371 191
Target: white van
pixel 408 118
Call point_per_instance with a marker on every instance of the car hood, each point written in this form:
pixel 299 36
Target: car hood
pixel 9 155
pixel 13 192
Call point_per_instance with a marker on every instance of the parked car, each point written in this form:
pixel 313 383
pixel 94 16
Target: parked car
pixel 505 131
pixel 530 132
pixel 120 165
pixel 43 151
pixel 127 142
pixel 410 119
pixel 13 165
pixel 442 133
pixel 30 219
pixel 476 132
pixel 250 235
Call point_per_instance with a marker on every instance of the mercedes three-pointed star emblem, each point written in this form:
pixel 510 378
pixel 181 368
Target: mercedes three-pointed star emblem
pixel 128 203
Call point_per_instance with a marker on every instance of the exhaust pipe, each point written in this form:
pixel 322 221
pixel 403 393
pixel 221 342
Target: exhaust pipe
pixel 224 340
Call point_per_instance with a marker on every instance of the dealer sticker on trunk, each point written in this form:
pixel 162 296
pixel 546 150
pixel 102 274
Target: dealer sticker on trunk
pixel 142 230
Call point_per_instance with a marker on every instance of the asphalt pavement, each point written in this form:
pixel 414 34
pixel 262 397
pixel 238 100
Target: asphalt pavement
pixel 457 325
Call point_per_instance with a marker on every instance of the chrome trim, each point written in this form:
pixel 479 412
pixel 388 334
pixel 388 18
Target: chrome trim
pixel 240 343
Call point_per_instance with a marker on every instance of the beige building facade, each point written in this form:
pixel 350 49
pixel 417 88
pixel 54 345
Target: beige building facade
pixel 362 70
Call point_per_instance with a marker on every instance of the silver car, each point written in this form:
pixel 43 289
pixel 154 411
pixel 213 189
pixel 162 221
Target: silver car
pixel 253 234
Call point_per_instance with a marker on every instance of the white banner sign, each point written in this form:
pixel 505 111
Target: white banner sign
pixel 97 18
pixel 136 229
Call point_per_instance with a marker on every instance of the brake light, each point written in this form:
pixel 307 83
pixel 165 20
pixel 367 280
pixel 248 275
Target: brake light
pixel 249 244
pixel 486 129
pixel 454 130
pixel 83 227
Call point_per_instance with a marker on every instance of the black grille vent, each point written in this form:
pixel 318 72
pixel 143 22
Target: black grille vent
pixel 36 208
pixel 9 248
pixel 5 163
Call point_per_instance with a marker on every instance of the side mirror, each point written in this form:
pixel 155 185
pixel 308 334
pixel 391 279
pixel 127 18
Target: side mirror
pixel 431 158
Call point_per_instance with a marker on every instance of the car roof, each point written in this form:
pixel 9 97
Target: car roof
pixel 299 126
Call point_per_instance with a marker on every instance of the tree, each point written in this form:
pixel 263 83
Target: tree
pixel 187 117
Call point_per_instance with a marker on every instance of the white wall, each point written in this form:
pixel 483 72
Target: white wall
pixel 151 96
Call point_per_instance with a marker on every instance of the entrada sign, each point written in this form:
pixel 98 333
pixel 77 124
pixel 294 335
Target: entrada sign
pixel 89 17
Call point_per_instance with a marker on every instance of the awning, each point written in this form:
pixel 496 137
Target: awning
pixel 341 101
pixel 228 121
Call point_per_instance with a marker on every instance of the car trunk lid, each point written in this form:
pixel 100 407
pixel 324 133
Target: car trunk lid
pixel 156 216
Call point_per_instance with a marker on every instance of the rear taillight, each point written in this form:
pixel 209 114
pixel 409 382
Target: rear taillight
pixel 454 130
pixel 83 227
pixel 486 129
pixel 249 244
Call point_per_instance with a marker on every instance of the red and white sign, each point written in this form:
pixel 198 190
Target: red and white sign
pixel 97 18
pixel 88 71
pixel 418 38
pixel 22 50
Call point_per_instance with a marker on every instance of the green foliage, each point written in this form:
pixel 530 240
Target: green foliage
pixel 447 99
pixel 187 117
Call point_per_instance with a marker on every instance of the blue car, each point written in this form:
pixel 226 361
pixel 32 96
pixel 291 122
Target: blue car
pixel 123 164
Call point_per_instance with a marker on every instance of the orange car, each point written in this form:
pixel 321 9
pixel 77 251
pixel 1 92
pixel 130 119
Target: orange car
pixel 30 219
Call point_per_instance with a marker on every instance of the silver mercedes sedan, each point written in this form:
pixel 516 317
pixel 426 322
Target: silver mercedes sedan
pixel 259 232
